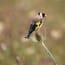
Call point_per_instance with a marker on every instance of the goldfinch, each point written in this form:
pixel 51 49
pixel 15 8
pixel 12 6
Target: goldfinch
pixel 36 23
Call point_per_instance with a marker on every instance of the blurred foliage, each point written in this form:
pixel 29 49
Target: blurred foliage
pixel 14 23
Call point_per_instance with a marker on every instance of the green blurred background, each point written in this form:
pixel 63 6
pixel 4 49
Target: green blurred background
pixel 15 18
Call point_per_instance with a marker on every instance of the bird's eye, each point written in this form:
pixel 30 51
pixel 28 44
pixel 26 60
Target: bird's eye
pixel 38 13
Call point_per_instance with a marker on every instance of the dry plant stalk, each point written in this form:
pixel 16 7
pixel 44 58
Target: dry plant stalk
pixel 39 38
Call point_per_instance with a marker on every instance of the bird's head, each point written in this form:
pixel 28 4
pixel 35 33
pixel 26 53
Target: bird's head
pixel 42 15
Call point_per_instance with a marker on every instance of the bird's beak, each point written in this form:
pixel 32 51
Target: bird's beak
pixel 45 15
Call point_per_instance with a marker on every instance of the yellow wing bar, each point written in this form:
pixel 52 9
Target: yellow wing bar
pixel 38 25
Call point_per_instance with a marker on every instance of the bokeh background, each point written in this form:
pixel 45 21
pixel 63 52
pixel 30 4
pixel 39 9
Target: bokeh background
pixel 15 18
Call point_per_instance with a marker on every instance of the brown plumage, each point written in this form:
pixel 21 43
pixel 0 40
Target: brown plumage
pixel 36 23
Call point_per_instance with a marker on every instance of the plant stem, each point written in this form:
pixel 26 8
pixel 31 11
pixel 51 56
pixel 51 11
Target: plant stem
pixel 49 53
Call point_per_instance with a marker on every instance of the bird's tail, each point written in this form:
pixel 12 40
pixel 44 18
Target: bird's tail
pixel 31 29
pixel 28 35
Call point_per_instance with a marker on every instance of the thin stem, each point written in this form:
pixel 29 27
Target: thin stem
pixel 49 53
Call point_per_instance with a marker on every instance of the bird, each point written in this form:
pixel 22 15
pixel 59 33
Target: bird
pixel 37 22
